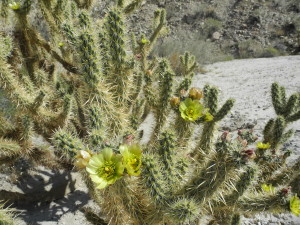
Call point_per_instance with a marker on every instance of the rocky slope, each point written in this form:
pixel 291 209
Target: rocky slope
pixel 240 28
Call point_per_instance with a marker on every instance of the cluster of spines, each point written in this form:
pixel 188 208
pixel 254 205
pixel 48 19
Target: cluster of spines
pixel 165 84
pixel 67 145
pixel 153 179
pixel 115 41
pixel 167 152
pixel 89 59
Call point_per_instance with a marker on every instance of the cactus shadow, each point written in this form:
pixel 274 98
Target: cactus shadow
pixel 47 196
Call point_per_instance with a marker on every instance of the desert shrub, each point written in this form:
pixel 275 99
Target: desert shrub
pixel 270 52
pixel 205 51
pixel 210 26
pixel 250 49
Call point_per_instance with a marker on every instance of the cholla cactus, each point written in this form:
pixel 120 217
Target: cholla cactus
pixel 87 91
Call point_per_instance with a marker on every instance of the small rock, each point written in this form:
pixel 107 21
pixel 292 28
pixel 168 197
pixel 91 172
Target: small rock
pixel 216 35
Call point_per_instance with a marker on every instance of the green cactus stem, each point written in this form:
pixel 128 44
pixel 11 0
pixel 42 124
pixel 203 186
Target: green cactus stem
pixel 132 6
pixel 272 203
pixel 211 101
pixel 66 145
pixel 9 149
pixel 188 64
pixel 241 186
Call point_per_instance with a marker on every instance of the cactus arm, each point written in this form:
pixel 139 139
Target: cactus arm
pixel 211 101
pixel 276 98
pixel 153 179
pixel 167 154
pixel 132 6
pixel 44 44
pixel 224 110
pixel 162 23
pixel 210 178
pixel 9 149
pixel 67 145
pixel 291 105
pixel 12 87
pixel 271 203
pixel 294 117
pixel 241 186
pixel 284 176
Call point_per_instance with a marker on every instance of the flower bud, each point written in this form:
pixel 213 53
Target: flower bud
pixel 249 153
pixel 195 93
pixel 225 137
pixel 286 191
pixel 182 93
pixel 149 72
pixel 82 159
pixel 128 139
pixel 174 101
pixel 138 56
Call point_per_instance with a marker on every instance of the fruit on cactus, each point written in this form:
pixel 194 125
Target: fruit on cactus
pixel 295 205
pixel 174 101
pixel 105 168
pixel 195 94
pixel 132 158
pixel 191 110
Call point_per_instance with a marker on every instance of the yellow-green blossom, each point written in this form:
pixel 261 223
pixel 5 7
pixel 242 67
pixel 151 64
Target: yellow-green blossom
pixel 295 205
pixel 261 145
pixel 208 117
pixel 105 168
pixel 61 44
pixel 15 5
pixel 190 109
pixel 268 188
pixel 145 41
pixel 132 156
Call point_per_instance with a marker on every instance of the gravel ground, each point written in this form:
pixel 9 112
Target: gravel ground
pixel 248 81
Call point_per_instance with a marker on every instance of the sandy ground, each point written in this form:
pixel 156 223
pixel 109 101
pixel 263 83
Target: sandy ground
pixel 249 82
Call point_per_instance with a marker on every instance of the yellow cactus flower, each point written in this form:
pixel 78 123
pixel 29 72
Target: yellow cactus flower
pixel 295 205
pixel 268 188
pixel 261 145
pixel 15 5
pixel 132 156
pixel 82 159
pixel 105 168
pixel 190 109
